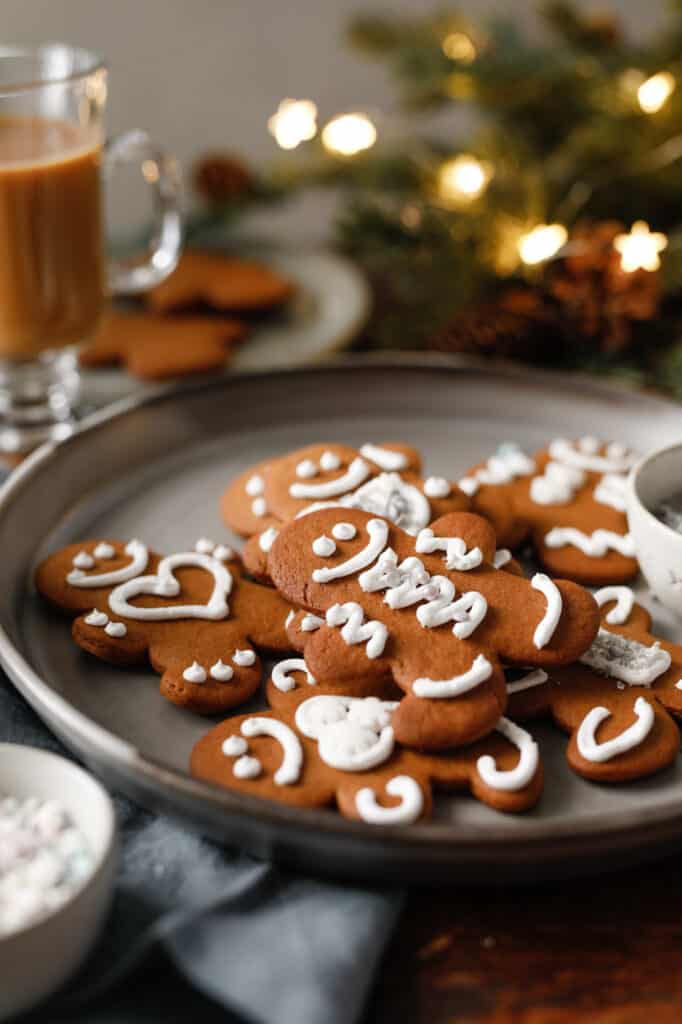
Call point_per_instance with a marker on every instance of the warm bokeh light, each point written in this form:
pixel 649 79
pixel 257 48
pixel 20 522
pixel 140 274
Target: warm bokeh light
pixel 463 178
pixel 349 134
pixel 543 242
pixel 294 122
pixel 639 250
pixel 655 92
pixel 458 46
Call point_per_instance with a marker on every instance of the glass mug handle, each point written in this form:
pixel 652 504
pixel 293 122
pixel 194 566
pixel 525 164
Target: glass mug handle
pixel 162 174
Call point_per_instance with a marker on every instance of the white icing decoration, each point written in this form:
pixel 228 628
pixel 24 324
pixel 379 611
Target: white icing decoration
pixel 508 463
pixel 289 618
pixel 384 458
pixel 595 545
pixel 268 538
pixel 404 813
pixel 544 631
pixel 116 629
pixel 289 770
pixel 353 734
pixel 356 474
pixel 589 445
pixel 139 555
pixel 247 768
pixel 306 469
pixel 234 746
pixel 592 750
pixel 558 484
pixel 480 670
pixel 611 491
pixel 83 560
pixel 221 672
pixel 104 550
pixel 469 485
pixel 624 598
pixel 204 546
pixel 468 612
pixel 535 678
pixel 195 673
pixel 259 507
pixel 281 678
pixel 386 495
pixel 324 547
pixel 617 460
pixel 244 658
pixel 437 487
pixel 329 461
pixel 356 630
pixel 309 623
pixel 255 485
pixel 526 767
pixel 377 531
pixel 678 684
pixel 456 554
pixel 165 584
pixel 344 531
pixel 620 657
pixel 96 618
pixel 223 552
pixel 501 557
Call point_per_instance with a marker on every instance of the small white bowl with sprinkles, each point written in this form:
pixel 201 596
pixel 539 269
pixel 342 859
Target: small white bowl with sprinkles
pixel 58 854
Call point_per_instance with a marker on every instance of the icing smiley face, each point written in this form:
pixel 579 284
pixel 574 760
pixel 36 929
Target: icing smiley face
pixel 190 614
pixel 393 608
pixel 382 479
pixel 568 500
pixel 616 701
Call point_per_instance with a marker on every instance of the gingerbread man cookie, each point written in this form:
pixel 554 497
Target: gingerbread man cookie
pixel 567 500
pixel 215 280
pixel 616 701
pixel 317 748
pixel 383 479
pixel 430 612
pixel 191 615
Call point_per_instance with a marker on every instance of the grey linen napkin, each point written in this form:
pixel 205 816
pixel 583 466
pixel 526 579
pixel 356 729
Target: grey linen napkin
pixel 260 944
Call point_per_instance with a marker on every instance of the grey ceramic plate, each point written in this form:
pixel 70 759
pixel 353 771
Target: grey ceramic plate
pixel 156 468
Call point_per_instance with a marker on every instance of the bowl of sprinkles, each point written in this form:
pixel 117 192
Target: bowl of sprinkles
pixel 57 863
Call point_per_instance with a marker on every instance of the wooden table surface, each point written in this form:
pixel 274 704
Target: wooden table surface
pixel 600 950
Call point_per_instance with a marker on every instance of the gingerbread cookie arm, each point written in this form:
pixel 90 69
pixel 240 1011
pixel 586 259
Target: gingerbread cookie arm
pixel 243 505
pixel 262 613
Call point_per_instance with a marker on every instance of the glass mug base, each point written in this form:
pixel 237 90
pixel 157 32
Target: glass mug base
pixel 37 397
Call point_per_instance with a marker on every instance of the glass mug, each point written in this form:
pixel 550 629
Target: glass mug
pixel 54 278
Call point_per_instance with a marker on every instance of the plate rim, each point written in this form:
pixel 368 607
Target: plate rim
pixel 643 826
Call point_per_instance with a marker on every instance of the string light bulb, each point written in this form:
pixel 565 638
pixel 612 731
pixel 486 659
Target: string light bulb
pixel 458 46
pixel 349 134
pixel 655 92
pixel 294 122
pixel 639 249
pixel 541 243
pixel 463 179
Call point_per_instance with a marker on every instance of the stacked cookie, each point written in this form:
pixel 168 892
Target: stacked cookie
pixel 415 644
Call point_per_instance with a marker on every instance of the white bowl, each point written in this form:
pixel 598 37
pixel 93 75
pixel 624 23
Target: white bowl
pixel 659 548
pixel 36 960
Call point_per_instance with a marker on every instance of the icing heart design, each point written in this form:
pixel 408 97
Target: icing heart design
pixel 165 584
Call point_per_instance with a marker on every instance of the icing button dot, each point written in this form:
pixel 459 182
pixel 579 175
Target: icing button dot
pixel 330 461
pixel 255 485
pixel 258 507
pixel 306 469
pixel 437 487
pixel 235 746
pixel 75 574
pixel 104 550
pixel 244 657
pixel 309 623
pixel 324 546
pixel 220 671
pixel 116 629
pixel 195 673
pixel 678 684
pixel 223 552
pixel 344 531
pixel 247 768
pixel 96 618
pixel 83 560
pixel 204 546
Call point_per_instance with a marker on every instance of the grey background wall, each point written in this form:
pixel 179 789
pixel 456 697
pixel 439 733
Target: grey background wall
pixel 198 73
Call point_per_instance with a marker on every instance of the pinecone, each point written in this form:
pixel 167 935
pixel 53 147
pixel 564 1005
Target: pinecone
pixel 518 325
pixel 597 298
pixel 221 178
